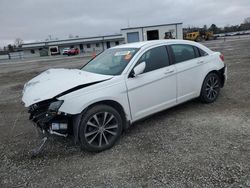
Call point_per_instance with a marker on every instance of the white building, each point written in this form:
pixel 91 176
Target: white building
pixel 85 45
pixel 98 44
pixel 155 32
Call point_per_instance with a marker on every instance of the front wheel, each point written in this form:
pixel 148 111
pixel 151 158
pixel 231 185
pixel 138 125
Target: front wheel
pixel 100 128
pixel 211 88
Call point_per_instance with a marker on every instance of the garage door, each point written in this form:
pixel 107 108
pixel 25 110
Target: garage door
pixel 133 37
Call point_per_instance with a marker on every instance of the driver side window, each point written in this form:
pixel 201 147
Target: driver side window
pixel 155 58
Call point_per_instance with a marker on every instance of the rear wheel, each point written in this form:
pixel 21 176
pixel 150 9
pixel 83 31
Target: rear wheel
pixel 100 128
pixel 211 88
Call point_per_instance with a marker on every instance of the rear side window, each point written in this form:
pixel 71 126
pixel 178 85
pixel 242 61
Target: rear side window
pixel 202 52
pixel 183 52
pixel 155 58
pixel 197 52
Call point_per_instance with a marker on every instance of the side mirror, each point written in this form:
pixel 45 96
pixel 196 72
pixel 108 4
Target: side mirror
pixel 138 69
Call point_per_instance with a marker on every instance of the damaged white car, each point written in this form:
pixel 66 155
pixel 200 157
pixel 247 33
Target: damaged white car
pixel 120 86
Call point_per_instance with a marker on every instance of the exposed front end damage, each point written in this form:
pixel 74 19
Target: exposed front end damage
pixel 50 121
pixel 46 116
pixel 41 95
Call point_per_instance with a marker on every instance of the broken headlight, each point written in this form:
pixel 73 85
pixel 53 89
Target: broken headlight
pixel 54 106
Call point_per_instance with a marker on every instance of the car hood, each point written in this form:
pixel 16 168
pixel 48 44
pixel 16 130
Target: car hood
pixel 53 82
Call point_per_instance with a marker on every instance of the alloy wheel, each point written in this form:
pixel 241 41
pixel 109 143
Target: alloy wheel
pixel 101 129
pixel 212 88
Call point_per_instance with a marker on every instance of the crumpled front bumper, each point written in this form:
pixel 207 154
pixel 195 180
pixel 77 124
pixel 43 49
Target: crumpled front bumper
pixel 50 122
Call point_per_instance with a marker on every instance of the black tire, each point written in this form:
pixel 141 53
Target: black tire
pixel 100 127
pixel 210 88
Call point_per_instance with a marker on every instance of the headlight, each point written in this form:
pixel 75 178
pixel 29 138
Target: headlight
pixel 54 106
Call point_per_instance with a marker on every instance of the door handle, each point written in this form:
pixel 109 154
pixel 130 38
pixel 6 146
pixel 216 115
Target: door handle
pixel 200 62
pixel 169 71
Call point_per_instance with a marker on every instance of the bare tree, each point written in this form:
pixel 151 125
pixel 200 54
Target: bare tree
pixel 10 48
pixel 247 20
pixel 214 28
pixel 246 24
pixel 18 42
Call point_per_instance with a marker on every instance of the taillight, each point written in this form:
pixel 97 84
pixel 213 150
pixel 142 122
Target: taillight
pixel 222 57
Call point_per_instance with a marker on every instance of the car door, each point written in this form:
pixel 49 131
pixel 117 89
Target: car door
pixel 154 89
pixel 189 70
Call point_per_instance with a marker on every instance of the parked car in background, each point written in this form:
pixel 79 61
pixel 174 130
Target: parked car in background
pixel 120 86
pixel 54 50
pixel 73 51
pixel 65 51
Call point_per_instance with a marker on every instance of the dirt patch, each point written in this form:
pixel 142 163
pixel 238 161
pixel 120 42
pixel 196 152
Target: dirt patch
pixel 18 87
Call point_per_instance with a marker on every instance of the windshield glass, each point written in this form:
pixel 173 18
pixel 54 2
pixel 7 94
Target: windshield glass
pixel 111 61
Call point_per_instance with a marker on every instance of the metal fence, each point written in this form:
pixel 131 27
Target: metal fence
pixel 12 55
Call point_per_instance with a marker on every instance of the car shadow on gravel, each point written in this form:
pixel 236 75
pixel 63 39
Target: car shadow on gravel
pixel 171 112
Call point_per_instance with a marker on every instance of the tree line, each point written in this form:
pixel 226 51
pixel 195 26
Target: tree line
pixel 228 28
pixel 13 47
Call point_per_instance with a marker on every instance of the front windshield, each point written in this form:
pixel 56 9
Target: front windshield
pixel 111 61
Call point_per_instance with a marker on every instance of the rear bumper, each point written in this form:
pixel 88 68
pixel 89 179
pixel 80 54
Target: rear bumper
pixel 223 75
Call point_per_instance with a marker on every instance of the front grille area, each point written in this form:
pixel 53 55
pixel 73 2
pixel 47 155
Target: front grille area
pixel 39 114
pixel 43 118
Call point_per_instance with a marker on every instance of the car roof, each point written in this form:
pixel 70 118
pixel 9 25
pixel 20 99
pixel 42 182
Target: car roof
pixel 146 44
pixel 154 42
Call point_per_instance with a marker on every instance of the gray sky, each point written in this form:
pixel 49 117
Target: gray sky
pixel 33 20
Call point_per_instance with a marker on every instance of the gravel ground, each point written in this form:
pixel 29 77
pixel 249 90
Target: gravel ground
pixel 191 145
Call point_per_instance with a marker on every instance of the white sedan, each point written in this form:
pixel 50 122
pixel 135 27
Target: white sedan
pixel 120 86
